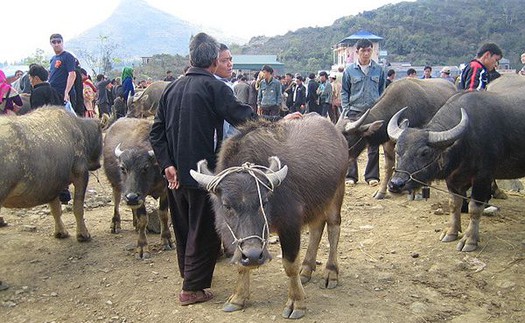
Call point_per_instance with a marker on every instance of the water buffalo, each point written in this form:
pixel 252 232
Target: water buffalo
pixel 133 172
pixel 43 152
pixel 251 200
pixel 423 97
pixel 147 102
pixel 474 138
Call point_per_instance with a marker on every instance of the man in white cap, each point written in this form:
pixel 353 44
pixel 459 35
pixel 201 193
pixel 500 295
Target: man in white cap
pixel 445 74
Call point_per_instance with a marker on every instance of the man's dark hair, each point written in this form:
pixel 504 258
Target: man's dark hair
pixel 56 36
pixel 323 73
pixel 267 68
pixel 222 47
pixel 390 72
pixel 363 43
pixel 299 78
pixel 168 72
pixel 428 68
pixel 100 77
pixel 492 48
pixel 411 71
pixel 204 50
pixel 40 71
pixel 311 76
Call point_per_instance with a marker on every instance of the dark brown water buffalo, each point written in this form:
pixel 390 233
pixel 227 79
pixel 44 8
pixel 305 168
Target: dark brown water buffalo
pixel 422 97
pixel 147 102
pixel 43 152
pixel 133 172
pixel 255 194
pixel 474 138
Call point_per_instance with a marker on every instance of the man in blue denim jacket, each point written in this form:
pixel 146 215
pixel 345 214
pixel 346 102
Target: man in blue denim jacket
pixel 269 97
pixel 363 83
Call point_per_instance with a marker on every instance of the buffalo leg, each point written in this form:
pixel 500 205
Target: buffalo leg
pixel 78 206
pixel 331 274
pixel 295 307
pixel 314 238
pixel 115 221
pixel 388 149
pixel 56 211
pixel 142 250
pixel 165 234
pixel 240 296
pixel 481 190
pixel 454 228
pixel 469 241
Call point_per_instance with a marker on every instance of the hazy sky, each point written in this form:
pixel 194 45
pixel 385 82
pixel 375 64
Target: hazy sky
pixel 28 24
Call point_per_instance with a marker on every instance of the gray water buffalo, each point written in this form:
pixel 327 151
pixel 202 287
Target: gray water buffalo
pixel 147 102
pixel 474 138
pixel 132 170
pixel 254 194
pixel 43 152
pixel 422 97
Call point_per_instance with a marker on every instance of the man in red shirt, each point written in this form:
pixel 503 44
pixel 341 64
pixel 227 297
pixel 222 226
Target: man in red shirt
pixel 475 75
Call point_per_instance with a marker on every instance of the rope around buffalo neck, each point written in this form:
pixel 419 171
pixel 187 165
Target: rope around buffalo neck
pixel 253 170
pixel 412 178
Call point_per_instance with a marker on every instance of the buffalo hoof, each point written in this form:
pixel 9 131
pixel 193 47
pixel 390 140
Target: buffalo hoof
pixel 231 307
pixel 305 279
pixel 379 195
pixel 142 253
pixel 448 237
pixel 83 238
pixel 289 313
pixel 328 283
pixel 61 235
pixel 466 247
pixel 167 246
pixel 499 194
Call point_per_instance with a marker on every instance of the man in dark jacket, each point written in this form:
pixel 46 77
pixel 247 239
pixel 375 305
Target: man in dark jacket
pixel 188 128
pixel 42 93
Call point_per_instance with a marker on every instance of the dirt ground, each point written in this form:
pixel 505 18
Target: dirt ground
pixel 392 269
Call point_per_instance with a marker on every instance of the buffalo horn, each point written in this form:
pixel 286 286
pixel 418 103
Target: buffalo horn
pixel 279 173
pixel 151 153
pixel 202 175
pixel 447 137
pixel 393 129
pixel 352 126
pixel 118 152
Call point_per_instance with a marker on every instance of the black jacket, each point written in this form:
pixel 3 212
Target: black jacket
pixel 44 94
pixel 189 121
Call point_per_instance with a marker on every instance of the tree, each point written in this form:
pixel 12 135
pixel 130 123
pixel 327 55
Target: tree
pixel 37 58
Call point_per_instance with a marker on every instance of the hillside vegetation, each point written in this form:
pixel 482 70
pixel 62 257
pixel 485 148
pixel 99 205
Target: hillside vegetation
pixel 435 32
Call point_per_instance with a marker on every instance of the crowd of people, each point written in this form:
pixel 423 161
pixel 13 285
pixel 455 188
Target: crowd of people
pixel 181 138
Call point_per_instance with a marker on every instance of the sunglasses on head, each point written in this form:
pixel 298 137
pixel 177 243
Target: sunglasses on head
pixel 56 41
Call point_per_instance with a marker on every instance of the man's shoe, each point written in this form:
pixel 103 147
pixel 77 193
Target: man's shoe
pixel 188 298
pixel 373 182
pixel 350 181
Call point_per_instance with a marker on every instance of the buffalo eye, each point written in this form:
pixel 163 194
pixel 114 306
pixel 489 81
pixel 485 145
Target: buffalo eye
pixel 123 169
pixel 145 169
pixel 227 207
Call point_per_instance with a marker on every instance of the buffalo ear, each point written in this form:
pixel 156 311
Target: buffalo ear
pixel 371 128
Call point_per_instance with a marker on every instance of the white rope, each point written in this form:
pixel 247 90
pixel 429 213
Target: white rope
pixel 253 170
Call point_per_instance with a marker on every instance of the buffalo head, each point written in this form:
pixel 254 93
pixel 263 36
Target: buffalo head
pixel 140 171
pixel 419 152
pixel 242 198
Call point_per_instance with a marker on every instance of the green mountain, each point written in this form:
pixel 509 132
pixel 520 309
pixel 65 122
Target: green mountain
pixel 434 32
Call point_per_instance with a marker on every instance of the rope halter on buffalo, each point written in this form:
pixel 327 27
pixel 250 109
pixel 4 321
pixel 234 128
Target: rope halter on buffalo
pixel 261 174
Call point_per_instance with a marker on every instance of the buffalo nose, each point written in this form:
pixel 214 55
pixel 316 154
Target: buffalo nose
pixel 252 257
pixel 396 185
pixel 132 198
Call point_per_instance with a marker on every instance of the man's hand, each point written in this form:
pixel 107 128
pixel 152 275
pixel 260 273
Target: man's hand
pixel 171 175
